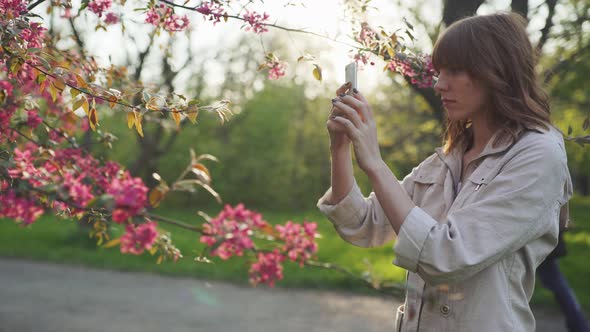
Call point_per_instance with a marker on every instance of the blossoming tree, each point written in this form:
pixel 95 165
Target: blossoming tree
pixel 49 95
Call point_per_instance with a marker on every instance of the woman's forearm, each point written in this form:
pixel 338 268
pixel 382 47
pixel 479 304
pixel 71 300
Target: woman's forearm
pixel 342 174
pixel 391 195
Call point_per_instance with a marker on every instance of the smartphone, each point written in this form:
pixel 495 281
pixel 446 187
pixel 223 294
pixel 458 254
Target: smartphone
pixel 350 75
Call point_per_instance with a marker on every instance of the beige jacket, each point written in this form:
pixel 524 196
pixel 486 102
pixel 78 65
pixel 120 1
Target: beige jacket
pixel 471 256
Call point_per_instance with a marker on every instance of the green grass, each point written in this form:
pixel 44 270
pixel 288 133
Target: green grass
pixel 58 240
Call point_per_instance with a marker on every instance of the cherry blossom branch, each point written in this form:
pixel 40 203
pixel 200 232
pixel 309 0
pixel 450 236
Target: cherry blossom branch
pixel 35 4
pixel 163 110
pixel 236 17
pixel 173 222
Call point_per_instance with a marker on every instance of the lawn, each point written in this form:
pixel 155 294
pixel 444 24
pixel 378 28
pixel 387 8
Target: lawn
pixel 58 240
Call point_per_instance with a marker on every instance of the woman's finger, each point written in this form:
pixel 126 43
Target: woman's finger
pixel 343 88
pixel 366 110
pixel 350 128
pixel 356 104
pixel 342 109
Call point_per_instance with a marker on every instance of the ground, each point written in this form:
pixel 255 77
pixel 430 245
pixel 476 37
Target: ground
pixel 46 297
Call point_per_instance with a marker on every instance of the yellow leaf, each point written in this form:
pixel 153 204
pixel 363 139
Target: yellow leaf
pixel 138 127
pixel 153 251
pixel 317 72
pixel 42 86
pixel 69 118
pixel 85 105
pixel 78 103
pixel 113 101
pixel 74 93
pixel 390 51
pixel 393 40
pixel 81 82
pixel 112 243
pixel 176 116
pixel 93 118
pixel 192 112
pixel 160 259
pixel 53 91
pixel 157 195
pixel 130 119
pixel 268 229
pixel 59 83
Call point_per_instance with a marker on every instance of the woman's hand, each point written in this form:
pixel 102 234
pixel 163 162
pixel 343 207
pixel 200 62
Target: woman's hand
pixel 337 131
pixel 353 113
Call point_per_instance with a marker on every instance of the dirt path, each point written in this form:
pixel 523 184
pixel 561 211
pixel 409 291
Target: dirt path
pixel 45 297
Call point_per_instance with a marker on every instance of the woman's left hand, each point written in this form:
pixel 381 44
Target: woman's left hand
pixel 354 113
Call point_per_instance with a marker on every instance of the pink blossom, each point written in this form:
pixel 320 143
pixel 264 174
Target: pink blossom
pixel 99 6
pixel 11 9
pixel 276 68
pixel 175 22
pixel 34 36
pixel 153 16
pixel 418 68
pixel 67 13
pixel 256 21
pixel 231 231
pixel 19 208
pixel 366 36
pixel 138 238
pixel 212 10
pixel 130 196
pixel 299 240
pixel 111 18
pixel 24 168
pixel 165 16
pixel 33 119
pixel 78 192
pixel 267 269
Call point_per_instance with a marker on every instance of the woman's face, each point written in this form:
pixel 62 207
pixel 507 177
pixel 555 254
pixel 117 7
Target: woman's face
pixel 463 97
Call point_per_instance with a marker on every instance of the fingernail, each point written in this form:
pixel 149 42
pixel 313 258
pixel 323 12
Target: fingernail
pixel 355 90
pixel 334 100
pixel 333 117
pixel 342 95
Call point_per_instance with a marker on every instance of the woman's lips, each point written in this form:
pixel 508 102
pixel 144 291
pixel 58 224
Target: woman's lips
pixel 447 102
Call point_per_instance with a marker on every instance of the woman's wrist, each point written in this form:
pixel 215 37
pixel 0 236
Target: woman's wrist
pixel 339 147
pixel 376 169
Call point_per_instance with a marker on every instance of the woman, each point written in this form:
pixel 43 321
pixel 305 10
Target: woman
pixel 475 219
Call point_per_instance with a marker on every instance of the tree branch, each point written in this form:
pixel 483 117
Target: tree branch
pixel 35 4
pixel 521 7
pixel 563 64
pixel 548 24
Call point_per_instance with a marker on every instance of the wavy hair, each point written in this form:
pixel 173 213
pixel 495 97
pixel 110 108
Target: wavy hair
pixel 496 51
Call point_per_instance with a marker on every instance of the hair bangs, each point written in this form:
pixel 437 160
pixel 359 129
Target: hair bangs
pixel 452 50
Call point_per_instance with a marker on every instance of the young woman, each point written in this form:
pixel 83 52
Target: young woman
pixel 475 219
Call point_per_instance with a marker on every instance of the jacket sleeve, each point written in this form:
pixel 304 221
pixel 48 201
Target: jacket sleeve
pixel 520 204
pixel 361 220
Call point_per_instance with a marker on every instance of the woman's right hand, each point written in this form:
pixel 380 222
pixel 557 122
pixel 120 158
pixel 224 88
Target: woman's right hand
pixel 337 131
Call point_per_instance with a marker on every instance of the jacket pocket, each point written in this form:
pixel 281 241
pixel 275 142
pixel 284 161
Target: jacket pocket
pixel 399 318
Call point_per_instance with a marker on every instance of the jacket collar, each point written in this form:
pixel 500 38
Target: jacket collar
pixel 454 159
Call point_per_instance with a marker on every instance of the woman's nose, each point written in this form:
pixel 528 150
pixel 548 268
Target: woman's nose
pixel 440 85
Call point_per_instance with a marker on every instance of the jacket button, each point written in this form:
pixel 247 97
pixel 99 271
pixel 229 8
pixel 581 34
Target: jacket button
pixel 445 310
